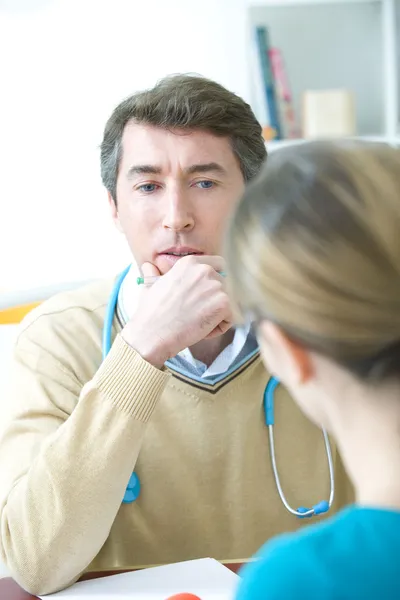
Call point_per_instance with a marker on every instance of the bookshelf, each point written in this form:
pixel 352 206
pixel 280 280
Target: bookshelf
pixel 333 44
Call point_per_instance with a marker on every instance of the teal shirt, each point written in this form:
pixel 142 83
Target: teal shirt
pixel 353 555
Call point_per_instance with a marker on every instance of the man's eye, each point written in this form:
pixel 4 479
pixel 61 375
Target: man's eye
pixel 147 188
pixel 205 184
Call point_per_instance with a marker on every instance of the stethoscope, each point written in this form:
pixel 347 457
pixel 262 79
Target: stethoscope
pixel 133 488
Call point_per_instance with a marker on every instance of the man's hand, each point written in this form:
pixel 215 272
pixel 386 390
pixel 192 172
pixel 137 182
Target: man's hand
pixel 188 304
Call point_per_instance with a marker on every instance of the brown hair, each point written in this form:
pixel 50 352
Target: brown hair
pixel 185 102
pixel 314 246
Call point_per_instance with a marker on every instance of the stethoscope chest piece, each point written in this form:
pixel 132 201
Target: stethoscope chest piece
pixel 132 489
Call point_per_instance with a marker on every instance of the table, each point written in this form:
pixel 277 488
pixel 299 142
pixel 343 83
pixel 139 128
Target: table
pixel 9 590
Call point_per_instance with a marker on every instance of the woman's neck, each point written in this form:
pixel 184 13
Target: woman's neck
pixel 367 430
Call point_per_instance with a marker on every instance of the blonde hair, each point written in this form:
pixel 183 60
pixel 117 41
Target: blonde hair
pixel 314 246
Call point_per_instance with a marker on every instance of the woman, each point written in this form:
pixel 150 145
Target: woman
pixel 314 260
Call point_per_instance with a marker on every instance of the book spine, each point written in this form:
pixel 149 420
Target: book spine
pixel 269 85
pixel 283 93
pixel 259 102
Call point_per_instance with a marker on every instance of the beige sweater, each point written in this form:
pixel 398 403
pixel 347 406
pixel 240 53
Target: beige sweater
pixel 81 427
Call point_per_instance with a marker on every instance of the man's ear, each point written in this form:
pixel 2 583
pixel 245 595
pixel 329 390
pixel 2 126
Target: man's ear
pixel 114 212
pixel 284 358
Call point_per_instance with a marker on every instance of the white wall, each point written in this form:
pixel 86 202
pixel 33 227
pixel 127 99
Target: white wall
pixel 65 65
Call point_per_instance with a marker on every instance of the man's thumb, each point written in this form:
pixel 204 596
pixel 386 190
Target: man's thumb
pixel 149 270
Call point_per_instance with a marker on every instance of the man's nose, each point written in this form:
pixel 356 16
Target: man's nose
pixel 178 212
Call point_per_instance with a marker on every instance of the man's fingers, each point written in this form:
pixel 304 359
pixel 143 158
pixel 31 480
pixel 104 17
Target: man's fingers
pixel 217 262
pixel 149 270
pixel 220 329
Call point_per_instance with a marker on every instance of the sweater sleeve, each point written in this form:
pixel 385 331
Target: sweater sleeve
pixel 66 458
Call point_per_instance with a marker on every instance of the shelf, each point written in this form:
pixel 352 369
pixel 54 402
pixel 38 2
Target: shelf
pixel 275 145
pixel 323 50
pixel 275 3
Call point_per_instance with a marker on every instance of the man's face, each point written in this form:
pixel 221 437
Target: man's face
pixel 175 191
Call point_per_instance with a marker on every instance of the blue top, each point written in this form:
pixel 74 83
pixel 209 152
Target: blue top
pixel 353 555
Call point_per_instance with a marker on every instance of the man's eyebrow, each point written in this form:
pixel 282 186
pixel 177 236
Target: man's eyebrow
pixel 156 170
pixel 143 170
pixel 206 168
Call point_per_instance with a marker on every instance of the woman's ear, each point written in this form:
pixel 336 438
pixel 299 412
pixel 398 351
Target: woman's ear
pixel 284 358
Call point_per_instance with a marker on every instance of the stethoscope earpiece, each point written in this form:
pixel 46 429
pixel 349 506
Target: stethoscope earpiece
pixel 317 509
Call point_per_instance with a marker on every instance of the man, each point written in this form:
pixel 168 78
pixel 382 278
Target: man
pixel 179 397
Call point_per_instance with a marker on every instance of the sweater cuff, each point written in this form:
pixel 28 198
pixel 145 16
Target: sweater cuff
pixel 131 383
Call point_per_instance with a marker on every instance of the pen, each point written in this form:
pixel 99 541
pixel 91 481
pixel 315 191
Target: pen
pixel 147 280
pixel 154 278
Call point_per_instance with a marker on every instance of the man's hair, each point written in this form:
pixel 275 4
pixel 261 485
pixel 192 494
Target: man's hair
pixel 185 102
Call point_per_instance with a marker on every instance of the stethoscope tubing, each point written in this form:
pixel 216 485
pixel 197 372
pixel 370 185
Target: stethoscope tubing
pixel 133 488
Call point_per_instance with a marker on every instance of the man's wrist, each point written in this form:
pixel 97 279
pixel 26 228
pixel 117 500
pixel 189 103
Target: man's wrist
pixel 152 349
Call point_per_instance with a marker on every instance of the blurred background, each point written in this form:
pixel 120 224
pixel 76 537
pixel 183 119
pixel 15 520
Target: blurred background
pixel 309 68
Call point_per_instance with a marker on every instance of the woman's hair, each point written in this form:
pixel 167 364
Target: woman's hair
pixel 314 246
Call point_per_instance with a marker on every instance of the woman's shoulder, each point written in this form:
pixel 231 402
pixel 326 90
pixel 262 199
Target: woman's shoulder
pixel 317 561
pixel 280 569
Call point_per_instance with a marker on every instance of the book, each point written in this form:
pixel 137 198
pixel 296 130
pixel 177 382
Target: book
pixel 258 99
pixel 283 95
pixel 274 124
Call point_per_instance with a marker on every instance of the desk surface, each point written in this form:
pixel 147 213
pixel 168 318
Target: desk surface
pixel 9 590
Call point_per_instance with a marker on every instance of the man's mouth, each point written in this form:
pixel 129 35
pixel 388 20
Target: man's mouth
pixel 181 252
pixel 170 256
